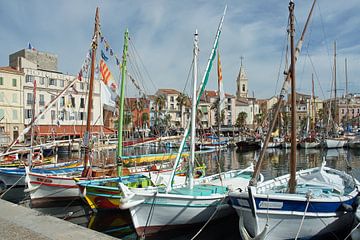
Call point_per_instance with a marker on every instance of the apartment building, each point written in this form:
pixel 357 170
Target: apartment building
pixel 11 104
pixel 42 81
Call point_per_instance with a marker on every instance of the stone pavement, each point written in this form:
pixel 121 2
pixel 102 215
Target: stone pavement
pixel 18 222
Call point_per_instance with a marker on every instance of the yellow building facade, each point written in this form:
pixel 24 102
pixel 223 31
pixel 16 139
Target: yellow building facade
pixel 11 104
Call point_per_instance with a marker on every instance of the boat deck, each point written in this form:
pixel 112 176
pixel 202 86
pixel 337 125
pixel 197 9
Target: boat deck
pixel 200 190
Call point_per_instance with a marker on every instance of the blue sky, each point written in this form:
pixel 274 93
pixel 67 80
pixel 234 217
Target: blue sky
pixel 162 33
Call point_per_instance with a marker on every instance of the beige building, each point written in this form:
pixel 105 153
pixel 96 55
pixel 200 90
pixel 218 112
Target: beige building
pixel 67 117
pixel 179 116
pixel 11 104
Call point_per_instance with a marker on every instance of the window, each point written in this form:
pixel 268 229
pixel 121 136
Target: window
pixel 171 98
pixel 14 82
pixel 52 115
pixel 1 81
pixel 14 114
pixel 229 100
pixel 243 87
pixel 82 103
pixel 29 79
pixel 61 83
pixel 1 96
pixel 72 116
pixel 72 101
pixel 228 107
pixel 14 98
pixel 62 101
pixel 82 116
pixel 42 100
pixel 82 86
pixel 52 82
pixel 28 113
pixel 342 111
pixel 29 98
pixel 2 114
pixel 42 80
pixel 61 115
pixel 172 106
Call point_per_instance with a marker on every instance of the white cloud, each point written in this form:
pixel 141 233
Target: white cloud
pixel 162 32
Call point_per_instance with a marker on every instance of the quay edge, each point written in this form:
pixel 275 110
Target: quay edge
pixel 18 222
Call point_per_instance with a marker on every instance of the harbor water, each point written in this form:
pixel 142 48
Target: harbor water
pixel 276 163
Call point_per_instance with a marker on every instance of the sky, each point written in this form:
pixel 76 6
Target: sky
pixel 161 36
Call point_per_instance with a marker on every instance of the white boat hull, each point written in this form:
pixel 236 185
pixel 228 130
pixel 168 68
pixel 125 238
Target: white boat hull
pixel 334 143
pixel 308 145
pixel 286 226
pixel 170 211
pixel 45 188
pixel 268 209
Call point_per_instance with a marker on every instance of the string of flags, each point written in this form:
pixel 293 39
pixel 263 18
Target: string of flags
pixel 104 70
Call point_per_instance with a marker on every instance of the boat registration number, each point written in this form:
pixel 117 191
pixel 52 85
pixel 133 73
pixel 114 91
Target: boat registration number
pixel 266 204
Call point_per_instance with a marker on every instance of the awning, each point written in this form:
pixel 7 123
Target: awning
pixel 70 130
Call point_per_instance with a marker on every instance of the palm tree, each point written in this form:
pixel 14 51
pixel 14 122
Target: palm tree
pixel 144 118
pixel 166 121
pixel 241 120
pixel 215 106
pixel 138 107
pixel 160 105
pixel 182 100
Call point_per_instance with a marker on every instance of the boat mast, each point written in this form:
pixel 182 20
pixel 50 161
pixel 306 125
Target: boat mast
pixel 313 108
pixel 32 125
pixel 335 96
pixel 90 100
pixel 202 86
pixel 121 105
pixel 193 113
pixel 292 180
pixel 346 93
pixel 256 174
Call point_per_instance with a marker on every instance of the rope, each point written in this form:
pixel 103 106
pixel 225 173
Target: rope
pixel 207 222
pixel 7 190
pixel 352 231
pixel 303 218
pixel 148 218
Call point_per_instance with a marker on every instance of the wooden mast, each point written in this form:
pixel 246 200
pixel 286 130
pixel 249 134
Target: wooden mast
pixel 346 94
pixel 292 180
pixel 90 100
pixel 256 174
pixel 335 91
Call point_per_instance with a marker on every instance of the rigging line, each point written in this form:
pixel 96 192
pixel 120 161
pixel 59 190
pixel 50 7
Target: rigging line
pixel 316 76
pixel 188 76
pixel 136 52
pixel 281 59
pixel 138 75
pixel 135 67
pixel 325 38
pixel 141 78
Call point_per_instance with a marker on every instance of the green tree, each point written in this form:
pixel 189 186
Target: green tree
pixel 241 120
pixel 182 100
pixel 160 102
pixel 215 107
pixel 144 118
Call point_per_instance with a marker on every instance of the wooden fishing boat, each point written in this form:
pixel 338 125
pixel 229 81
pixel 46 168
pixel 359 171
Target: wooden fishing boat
pixel 303 204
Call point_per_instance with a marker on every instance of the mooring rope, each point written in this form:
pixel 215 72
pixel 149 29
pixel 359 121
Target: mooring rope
pixel 308 195
pixel 211 217
pixel 7 190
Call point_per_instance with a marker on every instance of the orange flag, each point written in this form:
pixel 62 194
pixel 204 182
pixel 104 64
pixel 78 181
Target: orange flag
pixel 105 73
